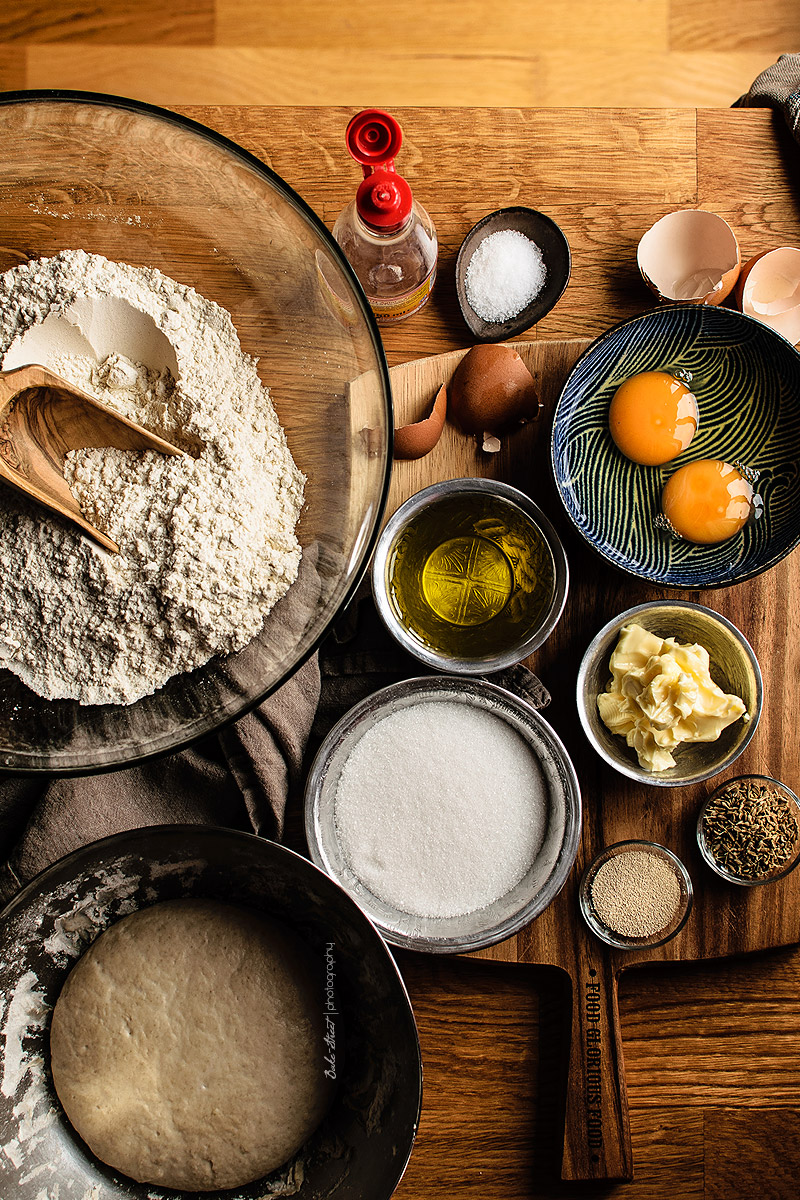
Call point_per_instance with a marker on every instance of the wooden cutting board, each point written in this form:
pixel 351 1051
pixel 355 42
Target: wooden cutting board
pixel 725 920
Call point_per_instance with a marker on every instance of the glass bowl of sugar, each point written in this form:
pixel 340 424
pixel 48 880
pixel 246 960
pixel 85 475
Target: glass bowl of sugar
pixel 448 809
pixel 636 894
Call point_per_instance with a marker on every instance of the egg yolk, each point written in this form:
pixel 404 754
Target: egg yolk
pixel 707 501
pixel 653 417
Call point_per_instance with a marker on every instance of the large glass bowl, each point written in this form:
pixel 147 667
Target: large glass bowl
pixel 144 186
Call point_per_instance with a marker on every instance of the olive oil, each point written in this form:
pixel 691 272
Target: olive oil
pixel 469 576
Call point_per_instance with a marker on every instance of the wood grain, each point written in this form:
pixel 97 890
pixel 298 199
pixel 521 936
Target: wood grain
pixel 761 24
pixel 736 1052
pixel 625 53
pixel 766 1144
pixel 12 69
pixel 171 74
pixel 416 383
pixel 471 26
pixel 247 74
pixel 130 22
pixel 724 920
pixel 641 165
pixel 711 1131
pixel 603 175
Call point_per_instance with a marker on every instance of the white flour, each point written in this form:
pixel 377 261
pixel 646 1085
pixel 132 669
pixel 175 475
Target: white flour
pixel 207 544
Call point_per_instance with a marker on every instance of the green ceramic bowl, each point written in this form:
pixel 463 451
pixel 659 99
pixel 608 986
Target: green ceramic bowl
pixel 734 668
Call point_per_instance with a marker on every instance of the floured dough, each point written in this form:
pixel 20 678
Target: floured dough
pixel 187 1045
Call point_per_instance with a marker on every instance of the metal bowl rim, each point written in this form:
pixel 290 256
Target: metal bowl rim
pixel 483 689
pixel 588 659
pixel 431 495
pixel 215 833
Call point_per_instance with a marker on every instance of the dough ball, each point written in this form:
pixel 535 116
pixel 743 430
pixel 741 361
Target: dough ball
pixel 187 1045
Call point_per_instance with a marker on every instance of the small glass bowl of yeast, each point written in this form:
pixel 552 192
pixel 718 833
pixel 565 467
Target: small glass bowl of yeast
pixel 635 895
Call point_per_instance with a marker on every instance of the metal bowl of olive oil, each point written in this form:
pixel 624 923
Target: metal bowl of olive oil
pixel 469 576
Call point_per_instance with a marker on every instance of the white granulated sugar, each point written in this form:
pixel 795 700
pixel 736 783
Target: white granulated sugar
pixel 505 273
pixel 440 808
pixel 207 543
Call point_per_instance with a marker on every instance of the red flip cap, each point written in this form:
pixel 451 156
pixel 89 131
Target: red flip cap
pixel 384 198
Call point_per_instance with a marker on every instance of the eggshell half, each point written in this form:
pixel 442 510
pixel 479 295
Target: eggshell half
pixel 769 290
pixel 414 441
pixel 690 256
pixel 492 390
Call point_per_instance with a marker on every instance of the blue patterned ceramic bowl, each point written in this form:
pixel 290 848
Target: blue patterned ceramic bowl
pixel 747 381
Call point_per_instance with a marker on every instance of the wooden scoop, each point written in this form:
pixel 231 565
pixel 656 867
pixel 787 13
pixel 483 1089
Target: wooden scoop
pixel 41 418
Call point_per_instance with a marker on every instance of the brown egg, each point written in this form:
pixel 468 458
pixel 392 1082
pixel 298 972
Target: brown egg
pixel 492 390
pixel 769 290
pixel 691 256
pixel 414 441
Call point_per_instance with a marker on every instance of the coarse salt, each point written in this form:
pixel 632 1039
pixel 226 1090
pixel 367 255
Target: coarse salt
pixel 505 273
pixel 440 808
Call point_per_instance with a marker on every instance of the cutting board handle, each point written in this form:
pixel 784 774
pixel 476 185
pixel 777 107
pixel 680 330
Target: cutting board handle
pixel 597 1140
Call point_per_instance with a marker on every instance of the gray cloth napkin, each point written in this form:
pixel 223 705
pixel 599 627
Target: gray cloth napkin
pixel 778 87
pixel 241 779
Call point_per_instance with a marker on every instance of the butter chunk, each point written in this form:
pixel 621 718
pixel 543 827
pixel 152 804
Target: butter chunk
pixel 634 647
pixel 616 712
pixel 650 754
pixel 661 695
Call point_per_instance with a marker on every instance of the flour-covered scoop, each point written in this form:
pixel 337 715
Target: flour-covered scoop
pixel 42 417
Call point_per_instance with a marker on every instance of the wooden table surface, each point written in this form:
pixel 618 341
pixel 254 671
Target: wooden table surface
pixel 548 54
pixel 711 1049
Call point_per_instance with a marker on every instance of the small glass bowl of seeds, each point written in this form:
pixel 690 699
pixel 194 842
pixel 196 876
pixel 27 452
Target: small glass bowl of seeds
pixel 748 830
pixel 635 894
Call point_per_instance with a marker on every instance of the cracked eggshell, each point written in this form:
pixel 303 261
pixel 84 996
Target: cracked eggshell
pixel 690 256
pixel 769 290
pixel 492 391
pixel 418 439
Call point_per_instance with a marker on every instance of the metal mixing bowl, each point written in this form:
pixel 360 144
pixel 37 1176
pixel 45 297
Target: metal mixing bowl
pixel 363 1144
pixel 734 668
pixel 525 638
pixel 546 874
pixel 143 186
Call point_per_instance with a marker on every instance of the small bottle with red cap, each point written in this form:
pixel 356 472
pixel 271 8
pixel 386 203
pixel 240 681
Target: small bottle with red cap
pixel 388 238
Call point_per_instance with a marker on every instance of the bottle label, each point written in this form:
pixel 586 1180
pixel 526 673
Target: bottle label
pixel 387 311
